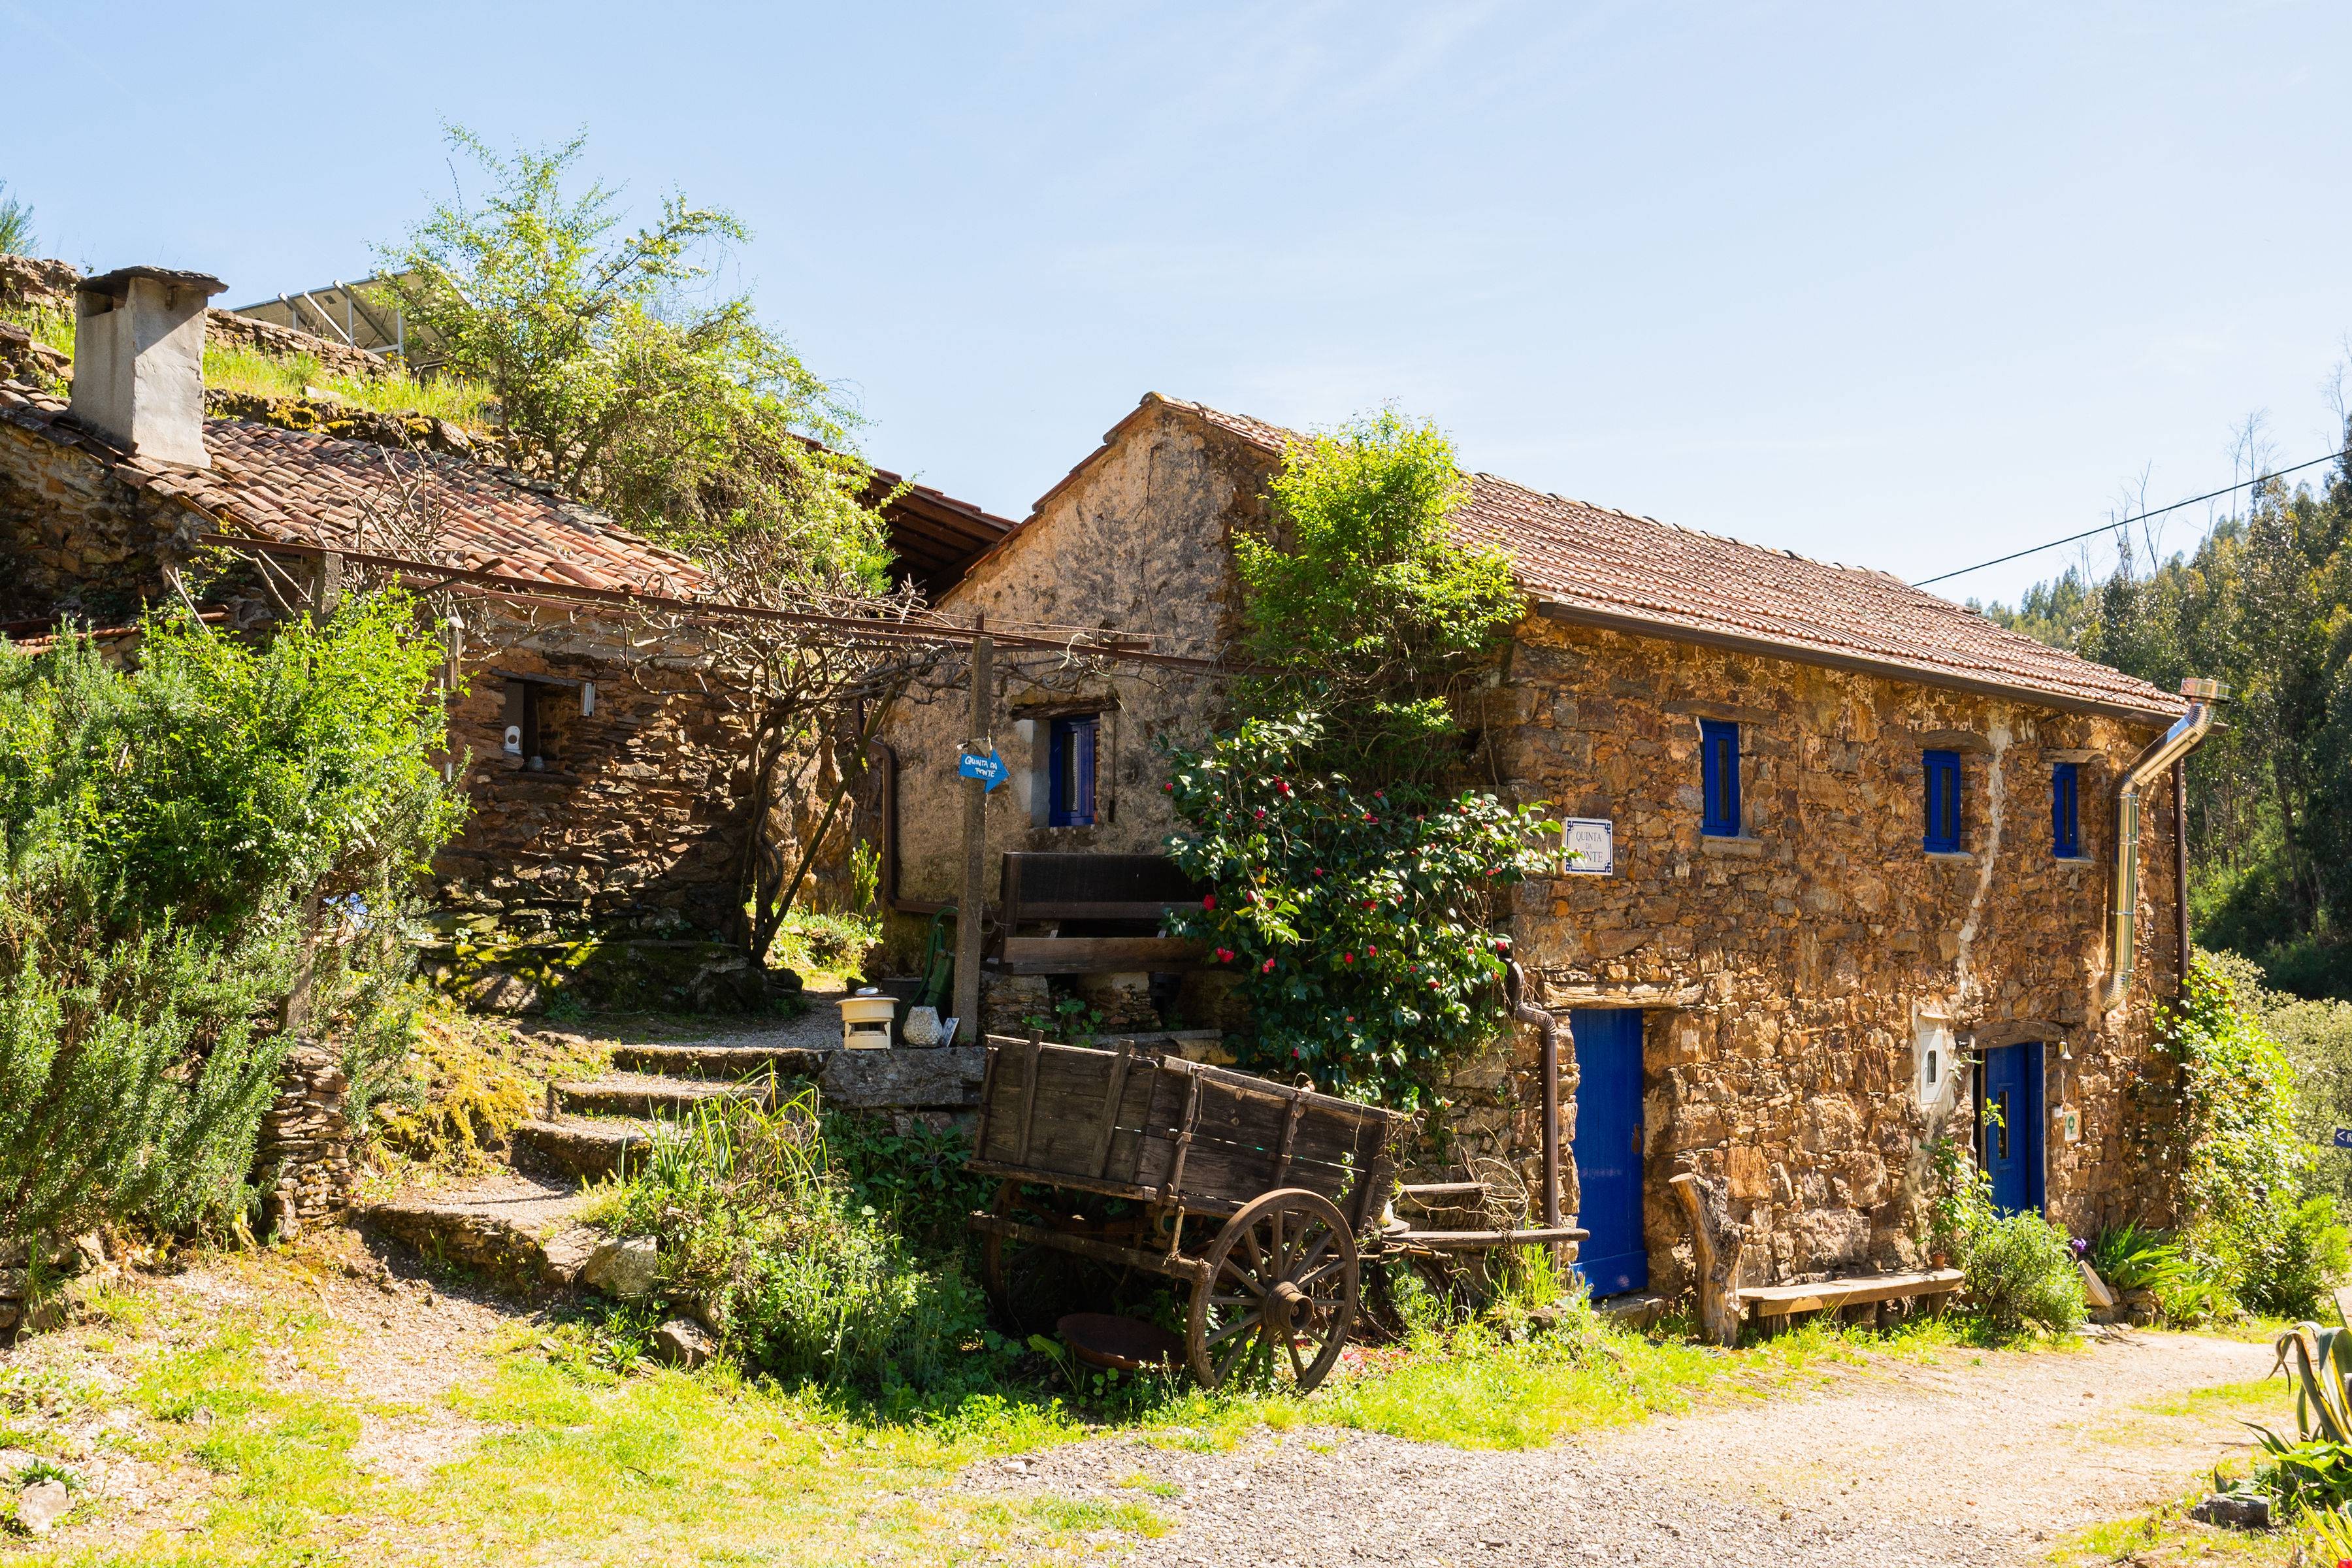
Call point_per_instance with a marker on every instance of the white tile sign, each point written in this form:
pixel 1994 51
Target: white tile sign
pixel 1591 841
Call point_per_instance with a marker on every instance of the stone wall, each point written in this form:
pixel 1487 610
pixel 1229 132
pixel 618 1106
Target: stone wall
pixel 76 538
pixel 1786 974
pixel 225 328
pixel 302 1165
pixel 1085 562
pixel 635 823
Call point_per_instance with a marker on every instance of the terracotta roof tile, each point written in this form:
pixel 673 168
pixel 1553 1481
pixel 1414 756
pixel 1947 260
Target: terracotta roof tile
pixel 1612 568
pixel 309 489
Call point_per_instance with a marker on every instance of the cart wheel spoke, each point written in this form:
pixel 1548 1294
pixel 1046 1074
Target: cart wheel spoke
pixel 1236 1326
pixel 1290 1249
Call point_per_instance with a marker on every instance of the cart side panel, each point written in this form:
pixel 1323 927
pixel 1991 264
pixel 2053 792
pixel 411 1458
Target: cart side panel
pixel 1064 1126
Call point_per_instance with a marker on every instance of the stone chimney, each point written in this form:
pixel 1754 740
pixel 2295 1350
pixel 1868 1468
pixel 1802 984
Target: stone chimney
pixel 139 360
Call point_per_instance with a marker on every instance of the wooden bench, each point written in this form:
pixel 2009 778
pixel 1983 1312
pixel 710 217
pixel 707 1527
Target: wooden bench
pixel 1782 1302
pixel 1723 1304
pixel 1094 890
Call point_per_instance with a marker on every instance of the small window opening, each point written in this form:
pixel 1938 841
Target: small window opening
pixel 1070 759
pixel 2001 1124
pixel 2065 813
pixel 1931 1067
pixel 521 739
pixel 1943 802
pixel 1719 777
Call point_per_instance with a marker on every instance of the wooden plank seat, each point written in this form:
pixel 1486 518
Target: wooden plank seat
pixel 1784 1301
pixel 1100 894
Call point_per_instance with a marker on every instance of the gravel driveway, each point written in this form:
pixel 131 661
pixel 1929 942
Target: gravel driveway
pixel 1981 1459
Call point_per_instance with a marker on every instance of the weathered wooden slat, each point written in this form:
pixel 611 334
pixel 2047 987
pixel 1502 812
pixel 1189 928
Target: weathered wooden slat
pixel 1171 1263
pixel 1099 954
pixel 1476 1240
pixel 1112 1103
pixel 1028 1095
pixel 1780 1300
pixel 1289 1138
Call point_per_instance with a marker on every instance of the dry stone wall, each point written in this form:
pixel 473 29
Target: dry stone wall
pixel 637 818
pixel 1787 974
pixel 302 1165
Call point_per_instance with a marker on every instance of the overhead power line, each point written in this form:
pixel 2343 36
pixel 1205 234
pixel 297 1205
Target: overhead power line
pixel 2125 522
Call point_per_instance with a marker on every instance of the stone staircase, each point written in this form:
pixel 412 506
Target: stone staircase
pixel 593 1127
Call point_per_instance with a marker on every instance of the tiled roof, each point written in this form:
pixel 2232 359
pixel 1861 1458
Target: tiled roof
pixel 1591 564
pixel 309 488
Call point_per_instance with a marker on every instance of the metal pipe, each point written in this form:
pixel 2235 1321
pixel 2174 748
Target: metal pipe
pixel 2187 732
pixel 2181 867
pixel 1527 1012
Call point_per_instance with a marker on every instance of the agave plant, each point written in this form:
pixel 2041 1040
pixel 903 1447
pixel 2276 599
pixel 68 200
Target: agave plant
pixel 2319 1362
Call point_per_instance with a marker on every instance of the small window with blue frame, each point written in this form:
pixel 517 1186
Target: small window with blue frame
pixel 2065 813
pixel 1070 762
pixel 1720 778
pixel 1943 800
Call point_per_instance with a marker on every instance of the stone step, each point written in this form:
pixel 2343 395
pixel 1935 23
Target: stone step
pixel 648 1094
pixel 731 1064
pixel 517 1229
pixel 580 1147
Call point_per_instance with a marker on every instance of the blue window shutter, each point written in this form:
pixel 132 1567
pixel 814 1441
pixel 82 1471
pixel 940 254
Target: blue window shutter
pixel 2065 812
pixel 1070 763
pixel 1718 746
pixel 1943 800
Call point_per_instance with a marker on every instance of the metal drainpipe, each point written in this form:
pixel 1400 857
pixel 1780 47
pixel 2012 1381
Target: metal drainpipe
pixel 2186 734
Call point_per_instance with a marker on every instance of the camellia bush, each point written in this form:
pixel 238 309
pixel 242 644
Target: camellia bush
pixel 180 838
pixel 1359 921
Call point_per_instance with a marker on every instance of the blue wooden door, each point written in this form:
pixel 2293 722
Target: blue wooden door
pixel 2012 1126
pixel 1608 1147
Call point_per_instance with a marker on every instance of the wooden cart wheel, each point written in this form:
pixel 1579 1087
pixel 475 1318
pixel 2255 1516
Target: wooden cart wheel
pixel 1032 1288
pixel 1279 1289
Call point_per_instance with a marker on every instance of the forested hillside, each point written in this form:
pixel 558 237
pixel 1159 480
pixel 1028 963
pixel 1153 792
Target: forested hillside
pixel 2264 603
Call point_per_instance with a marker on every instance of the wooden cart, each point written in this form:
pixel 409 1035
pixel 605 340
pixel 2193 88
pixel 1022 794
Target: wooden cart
pixel 1298 1181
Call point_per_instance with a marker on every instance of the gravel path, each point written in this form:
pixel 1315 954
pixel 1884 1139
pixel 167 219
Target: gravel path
pixel 1980 1460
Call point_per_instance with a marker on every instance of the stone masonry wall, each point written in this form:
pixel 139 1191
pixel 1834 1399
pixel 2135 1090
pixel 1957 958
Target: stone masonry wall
pixel 1785 973
pixel 76 538
pixel 637 820
pixel 1086 560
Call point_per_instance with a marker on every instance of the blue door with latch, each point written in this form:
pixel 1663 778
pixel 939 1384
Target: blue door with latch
pixel 2012 1126
pixel 1608 1146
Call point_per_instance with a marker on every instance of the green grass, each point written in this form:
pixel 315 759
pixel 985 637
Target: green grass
pixel 553 1456
pixel 823 947
pixel 235 369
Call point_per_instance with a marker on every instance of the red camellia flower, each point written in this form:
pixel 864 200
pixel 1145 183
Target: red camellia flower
pixel 1346 958
pixel 1210 902
pixel 1261 811
pixel 1224 955
pixel 1501 945
pixel 1373 951
pixel 1266 968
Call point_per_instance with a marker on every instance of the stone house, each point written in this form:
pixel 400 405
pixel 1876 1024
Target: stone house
pixel 609 784
pixel 1848 852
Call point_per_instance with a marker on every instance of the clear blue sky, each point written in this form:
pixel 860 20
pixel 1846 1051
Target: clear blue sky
pixel 1902 286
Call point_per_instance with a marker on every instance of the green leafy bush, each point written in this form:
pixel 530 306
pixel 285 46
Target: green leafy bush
pixel 2021 1271
pixel 1362 603
pixel 1360 921
pixel 757 1227
pixel 178 840
pixel 2245 1178
pixel 2130 1257
pixel 2286 1264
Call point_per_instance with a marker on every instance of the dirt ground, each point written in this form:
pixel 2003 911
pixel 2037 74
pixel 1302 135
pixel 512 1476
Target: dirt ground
pixel 1984 1459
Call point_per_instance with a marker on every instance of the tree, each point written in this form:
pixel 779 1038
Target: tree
pixel 15 225
pixel 2264 603
pixel 626 377
pixel 627 381
pixel 1355 895
pixel 1361 601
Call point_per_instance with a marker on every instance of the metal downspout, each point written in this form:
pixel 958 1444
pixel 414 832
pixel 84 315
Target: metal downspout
pixel 2186 733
